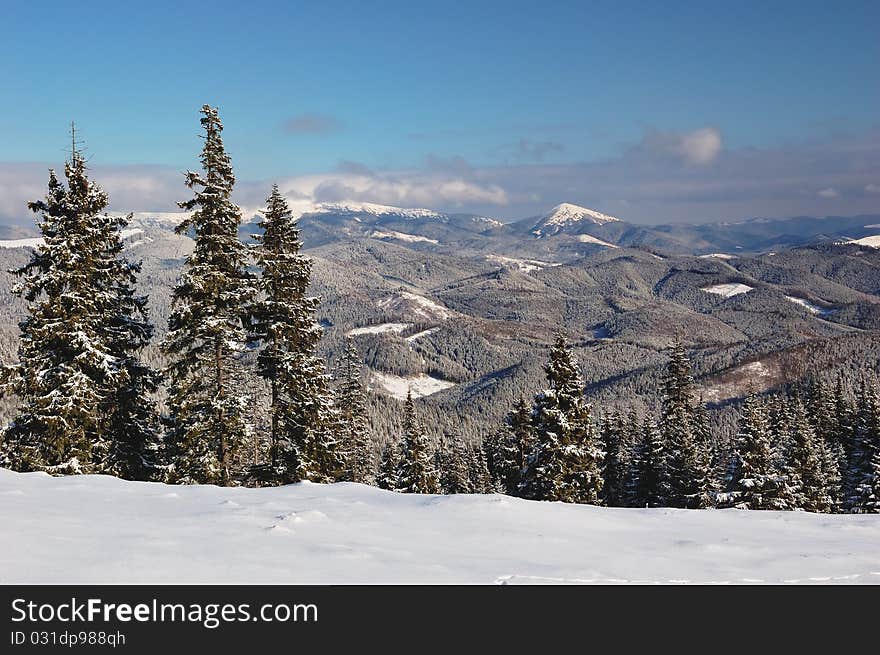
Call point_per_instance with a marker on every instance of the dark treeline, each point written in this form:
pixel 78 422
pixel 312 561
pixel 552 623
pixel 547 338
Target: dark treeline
pixel 250 402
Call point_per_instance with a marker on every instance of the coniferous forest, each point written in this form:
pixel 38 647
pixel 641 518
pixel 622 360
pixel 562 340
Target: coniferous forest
pixel 242 316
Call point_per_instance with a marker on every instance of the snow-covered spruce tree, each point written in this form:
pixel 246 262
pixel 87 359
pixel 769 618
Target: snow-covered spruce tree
pixel 820 405
pixel 303 418
pixel 386 475
pixel 615 439
pixel 415 470
pixel 86 404
pixel 806 464
pixel 480 481
pixel 708 461
pixel 566 462
pixel 208 326
pixel 869 490
pixel 861 476
pixel 351 399
pixel 757 484
pixel 454 466
pixel 687 454
pixel 514 443
pixel 647 483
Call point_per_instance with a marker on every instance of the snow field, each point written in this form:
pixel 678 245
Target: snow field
pixel 98 529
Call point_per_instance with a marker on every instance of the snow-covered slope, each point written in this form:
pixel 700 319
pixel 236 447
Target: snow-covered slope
pixel 415 305
pixel 374 210
pixel 872 241
pixel 810 307
pixel 97 529
pixel 401 236
pixel 565 215
pixel 524 265
pixel 586 238
pixel 718 255
pixel 418 385
pixel 34 242
pixel 728 290
pixel 31 242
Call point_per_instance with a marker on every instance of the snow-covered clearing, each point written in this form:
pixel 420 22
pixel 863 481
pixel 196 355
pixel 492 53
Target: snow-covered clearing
pixel 415 305
pixel 810 307
pixel 400 236
pixel 98 529
pixel 752 377
pixel 420 385
pixel 379 329
pixel 35 242
pixel 586 238
pixel 728 290
pixel 524 265
pixel 21 243
pixel 718 255
pixel 419 335
pixel 873 241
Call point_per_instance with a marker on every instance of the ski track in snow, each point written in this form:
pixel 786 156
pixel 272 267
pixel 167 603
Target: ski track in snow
pixel 97 529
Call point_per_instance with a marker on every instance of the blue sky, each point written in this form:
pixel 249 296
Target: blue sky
pixel 527 101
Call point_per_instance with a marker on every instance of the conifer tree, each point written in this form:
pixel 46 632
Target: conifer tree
pixel 514 443
pixel 354 423
pixel 805 464
pixel 820 407
pixel 648 481
pixel 860 483
pixel 687 458
pixel 415 471
pixel 389 460
pixel 756 481
pixel 454 466
pixel 302 414
pixel 208 326
pixel 85 392
pixel 869 489
pixel 615 440
pixel 479 479
pixel 706 463
pixel 566 462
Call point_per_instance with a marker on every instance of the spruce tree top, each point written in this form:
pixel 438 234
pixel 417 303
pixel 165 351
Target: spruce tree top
pixel 562 370
pixel 213 200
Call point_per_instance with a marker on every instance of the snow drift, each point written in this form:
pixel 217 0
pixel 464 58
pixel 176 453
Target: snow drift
pixel 98 529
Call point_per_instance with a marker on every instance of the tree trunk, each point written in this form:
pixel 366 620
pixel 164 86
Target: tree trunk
pixel 224 450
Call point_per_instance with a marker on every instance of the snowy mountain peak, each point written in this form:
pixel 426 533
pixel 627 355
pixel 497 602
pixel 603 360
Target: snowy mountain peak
pixel 566 213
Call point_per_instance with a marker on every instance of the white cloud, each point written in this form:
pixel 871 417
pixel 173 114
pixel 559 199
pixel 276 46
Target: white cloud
pixel 872 188
pixel 430 189
pixel 698 147
pixel 829 193
pixel 701 146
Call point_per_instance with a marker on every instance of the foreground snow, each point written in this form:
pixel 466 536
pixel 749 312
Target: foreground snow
pixel 97 529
